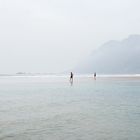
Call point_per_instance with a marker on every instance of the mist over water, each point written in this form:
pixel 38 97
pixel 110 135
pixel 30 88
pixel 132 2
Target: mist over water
pixel 40 108
pixel 41 41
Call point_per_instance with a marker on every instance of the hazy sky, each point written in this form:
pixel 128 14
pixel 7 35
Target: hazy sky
pixel 54 35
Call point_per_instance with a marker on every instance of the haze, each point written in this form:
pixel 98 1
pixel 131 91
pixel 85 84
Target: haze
pixel 54 35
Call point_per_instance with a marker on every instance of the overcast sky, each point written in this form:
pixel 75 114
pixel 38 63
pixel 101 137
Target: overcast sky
pixel 54 35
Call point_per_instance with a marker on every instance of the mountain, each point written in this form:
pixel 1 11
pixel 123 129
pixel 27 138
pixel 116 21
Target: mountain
pixel 114 57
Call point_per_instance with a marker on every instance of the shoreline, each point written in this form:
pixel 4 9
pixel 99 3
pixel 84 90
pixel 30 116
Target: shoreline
pixel 75 75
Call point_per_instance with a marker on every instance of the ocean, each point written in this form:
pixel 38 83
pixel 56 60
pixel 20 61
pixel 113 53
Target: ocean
pixel 50 108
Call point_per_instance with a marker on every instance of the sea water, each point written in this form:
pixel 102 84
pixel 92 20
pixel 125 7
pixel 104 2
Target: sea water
pixel 51 108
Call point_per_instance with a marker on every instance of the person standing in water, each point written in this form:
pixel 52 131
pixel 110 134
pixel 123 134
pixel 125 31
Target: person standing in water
pixel 95 76
pixel 71 77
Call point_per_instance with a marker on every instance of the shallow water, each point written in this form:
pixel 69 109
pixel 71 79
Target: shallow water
pixel 50 108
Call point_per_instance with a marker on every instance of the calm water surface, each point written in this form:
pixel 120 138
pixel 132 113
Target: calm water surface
pixel 49 108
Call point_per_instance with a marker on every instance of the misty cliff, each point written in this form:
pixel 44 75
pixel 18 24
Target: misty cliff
pixel 114 57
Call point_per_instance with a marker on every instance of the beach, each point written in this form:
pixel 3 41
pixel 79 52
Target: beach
pixel 51 108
